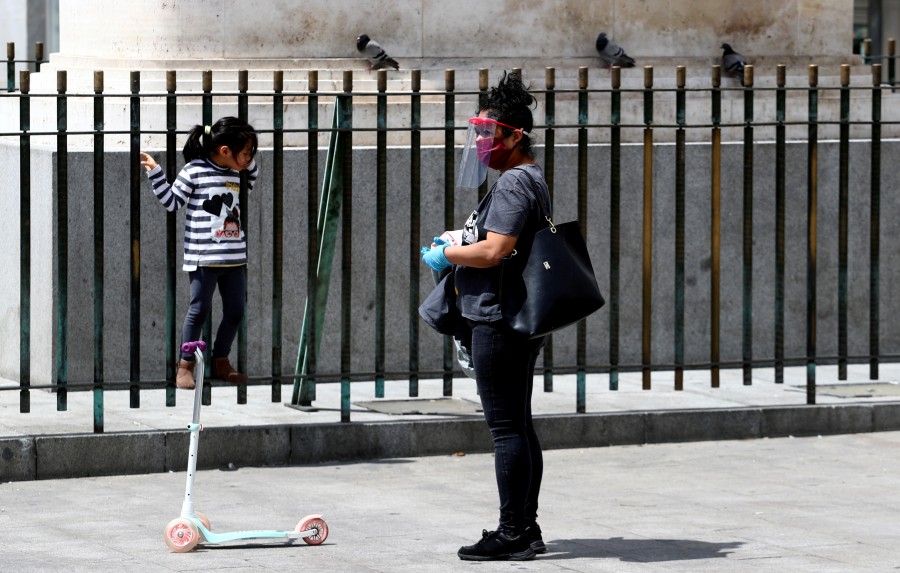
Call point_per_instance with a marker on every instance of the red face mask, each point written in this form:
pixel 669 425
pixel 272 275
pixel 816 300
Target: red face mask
pixel 499 156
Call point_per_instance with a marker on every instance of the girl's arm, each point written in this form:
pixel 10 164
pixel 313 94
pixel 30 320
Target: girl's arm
pixel 483 254
pixel 173 196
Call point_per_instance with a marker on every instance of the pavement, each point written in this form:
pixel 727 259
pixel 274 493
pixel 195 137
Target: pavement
pixel 814 504
pixel 669 489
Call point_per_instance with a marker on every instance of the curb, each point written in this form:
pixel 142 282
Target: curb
pixel 122 453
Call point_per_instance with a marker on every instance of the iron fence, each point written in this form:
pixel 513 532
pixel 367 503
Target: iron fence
pixel 583 132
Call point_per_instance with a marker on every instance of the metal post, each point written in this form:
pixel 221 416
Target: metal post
pixel 135 239
pixel 715 228
pixel 277 230
pixel 875 227
pixel 98 286
pixel 243 200
pixel 173 354
pixel 843 228
pixel 415 160
pixel 680 81
pixel 780 140
pixel 449 204
pixel 380 231
pixel 647 237
pixel 812 226
pixel 747 342
pixel 346 126
pixel 62 243
pixel 24 243
pixel 581 334
pixel 549 162
pixel 10 66
pixel 206 102
pixel 615 191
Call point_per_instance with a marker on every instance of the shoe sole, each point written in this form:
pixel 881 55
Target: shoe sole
pixel 520 556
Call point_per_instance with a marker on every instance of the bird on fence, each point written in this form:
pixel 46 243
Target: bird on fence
pixel 612 53
pixel 733 63
pixel 372 50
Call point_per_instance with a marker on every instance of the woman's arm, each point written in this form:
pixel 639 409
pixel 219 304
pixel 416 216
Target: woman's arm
pixel 483 254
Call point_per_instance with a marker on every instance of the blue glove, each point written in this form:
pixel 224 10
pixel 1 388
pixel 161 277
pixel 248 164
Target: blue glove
pixel 434 257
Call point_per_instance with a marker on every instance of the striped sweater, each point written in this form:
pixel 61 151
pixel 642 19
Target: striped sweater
pixel 212 223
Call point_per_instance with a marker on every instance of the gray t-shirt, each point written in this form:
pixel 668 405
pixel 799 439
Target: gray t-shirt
pixel 510 208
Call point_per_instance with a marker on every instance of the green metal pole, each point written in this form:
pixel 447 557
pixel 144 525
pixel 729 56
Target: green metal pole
pixel 615 192
pixel 173 353
pixel 10 66
pixel 346 159
pixel 277 230
pixel 415 191
pixel 647 239
pixel 715 228
pixel 747 306
pixel 843 227
pixel 811 254
pixel 780 140
pixel 680 81
pixel 380 231
pixel 24 243
pixel 98 286
pixel 875 227
pixel 581 333
pixel 62 244
pixel 549 165
pixel 135 239
pixel 449 204
pixel 206 102
pixel 245 208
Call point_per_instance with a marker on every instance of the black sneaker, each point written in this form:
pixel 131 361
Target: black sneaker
pixel 497 546
pixel 533 534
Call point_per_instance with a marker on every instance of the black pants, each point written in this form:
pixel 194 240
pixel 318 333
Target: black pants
pixel 504 372
pixel 232 283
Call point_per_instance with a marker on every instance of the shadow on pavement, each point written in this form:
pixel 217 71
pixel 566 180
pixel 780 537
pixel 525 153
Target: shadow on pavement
pixel 638 550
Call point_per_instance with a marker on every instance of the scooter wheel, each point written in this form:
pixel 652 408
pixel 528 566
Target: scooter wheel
pixel 203 519
pixel 313 522
pixel 182 535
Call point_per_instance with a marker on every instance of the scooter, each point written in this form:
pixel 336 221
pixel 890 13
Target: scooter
pixel 185 532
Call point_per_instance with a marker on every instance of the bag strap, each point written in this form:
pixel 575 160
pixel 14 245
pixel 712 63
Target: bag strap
pixel 538 199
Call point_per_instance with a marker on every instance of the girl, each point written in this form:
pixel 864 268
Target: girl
pixel 506 219
pixel 215 247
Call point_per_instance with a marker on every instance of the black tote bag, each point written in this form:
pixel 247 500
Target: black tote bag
pixel 557 286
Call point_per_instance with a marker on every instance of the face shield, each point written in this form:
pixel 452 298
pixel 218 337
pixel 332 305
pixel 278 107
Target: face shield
pixel 476 156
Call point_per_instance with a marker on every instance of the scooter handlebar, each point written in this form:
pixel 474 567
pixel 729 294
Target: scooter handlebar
pixel 190 347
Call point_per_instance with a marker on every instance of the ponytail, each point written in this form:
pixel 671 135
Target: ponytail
pixel 231 132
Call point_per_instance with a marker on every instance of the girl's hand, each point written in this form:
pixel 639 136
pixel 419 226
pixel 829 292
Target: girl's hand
pixel 148 162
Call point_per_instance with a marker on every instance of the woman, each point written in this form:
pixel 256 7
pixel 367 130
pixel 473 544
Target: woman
pixel 502 226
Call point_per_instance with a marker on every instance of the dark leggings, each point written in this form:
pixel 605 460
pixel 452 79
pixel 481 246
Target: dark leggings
pixel 504 371
pixel 232 283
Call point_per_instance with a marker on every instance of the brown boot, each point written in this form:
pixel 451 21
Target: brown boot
pixel 222 369
pixel 184 377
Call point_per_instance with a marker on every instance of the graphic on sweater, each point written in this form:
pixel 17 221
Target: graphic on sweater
pixel 226 218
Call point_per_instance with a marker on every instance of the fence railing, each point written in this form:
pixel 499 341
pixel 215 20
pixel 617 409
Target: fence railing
pixel 611 261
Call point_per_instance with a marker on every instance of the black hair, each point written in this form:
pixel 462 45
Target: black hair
pixel 231 132
pixel 510 102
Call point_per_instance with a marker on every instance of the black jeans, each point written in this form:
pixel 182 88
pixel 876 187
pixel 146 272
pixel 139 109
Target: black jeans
pixel 232 283
pixel 504 372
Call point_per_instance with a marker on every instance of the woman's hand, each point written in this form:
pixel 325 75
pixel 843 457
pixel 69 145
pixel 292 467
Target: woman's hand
pixel 148 162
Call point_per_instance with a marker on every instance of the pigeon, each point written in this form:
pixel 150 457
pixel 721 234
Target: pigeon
pixel 612 53
pixel 378 58
pixel 733 62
